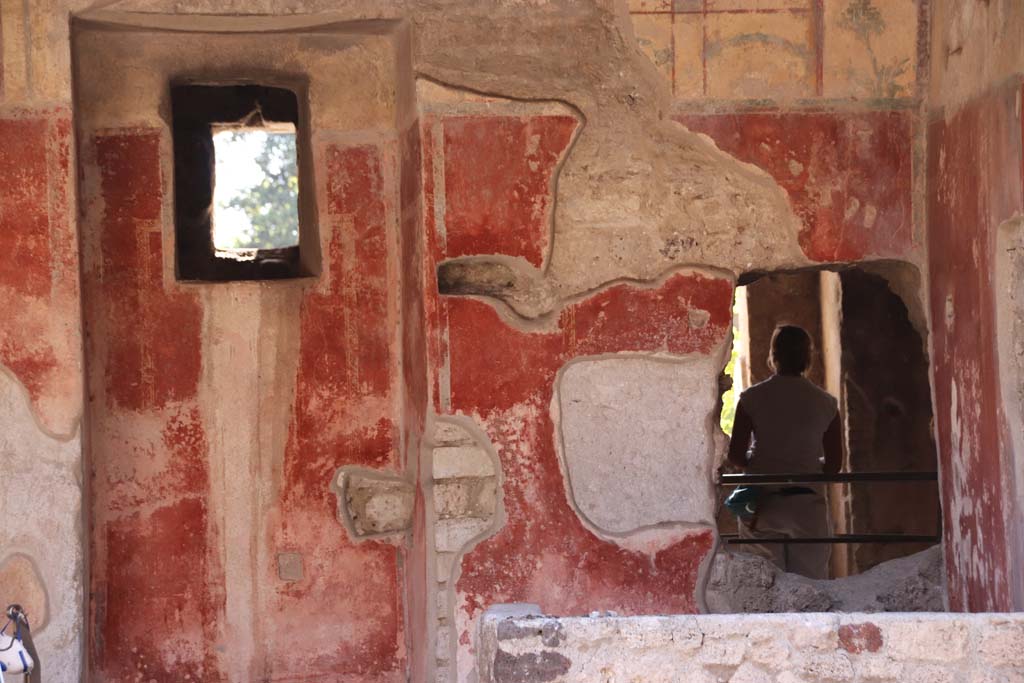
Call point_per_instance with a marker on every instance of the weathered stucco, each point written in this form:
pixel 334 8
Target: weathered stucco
pixel 538 157
pixel 41 557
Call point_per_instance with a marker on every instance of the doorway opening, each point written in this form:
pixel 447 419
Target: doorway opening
pixel 867 328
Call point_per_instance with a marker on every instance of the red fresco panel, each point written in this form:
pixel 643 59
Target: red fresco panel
pixel 158 589
pixel 505 378
pixel 157 592
pixel 848 175
pixel 39 263
pixel 24 205
pixel 343 415
pixel 970 193
pixel 498 174
pixel 153 336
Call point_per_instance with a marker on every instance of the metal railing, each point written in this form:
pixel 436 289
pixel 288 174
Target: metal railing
pixel 840 478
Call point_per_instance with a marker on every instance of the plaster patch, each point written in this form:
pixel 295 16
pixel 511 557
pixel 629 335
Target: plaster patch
pixel 635 440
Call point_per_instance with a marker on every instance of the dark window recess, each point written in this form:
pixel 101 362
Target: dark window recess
pixel 249 227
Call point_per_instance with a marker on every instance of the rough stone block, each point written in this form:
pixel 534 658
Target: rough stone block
pixel 879 668
pixel 722 652
pixel 1003 645
pixel 623 424
pixel 748 673
pixel 444 642
pixel 442 602
pixel 465 498
pixel 451 462
pixel 687 636
pixel 451 434
pixel 814 633
pixel 445 563
pixel 451 535
pixel 824 667
pixel 377 504
pixel 943 642
pixel 771 653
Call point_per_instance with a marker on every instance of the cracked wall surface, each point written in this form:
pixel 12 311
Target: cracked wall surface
pixel 535 154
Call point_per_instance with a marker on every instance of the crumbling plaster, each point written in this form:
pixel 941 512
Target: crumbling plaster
pixel 610 222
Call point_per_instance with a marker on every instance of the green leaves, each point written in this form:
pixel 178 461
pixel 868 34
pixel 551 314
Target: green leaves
pixel 272 204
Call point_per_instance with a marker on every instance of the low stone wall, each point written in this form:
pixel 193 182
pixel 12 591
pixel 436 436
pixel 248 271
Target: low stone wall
pixel 782 648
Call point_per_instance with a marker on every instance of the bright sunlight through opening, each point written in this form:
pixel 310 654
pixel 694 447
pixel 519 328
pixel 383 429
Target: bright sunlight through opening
pixel 256 191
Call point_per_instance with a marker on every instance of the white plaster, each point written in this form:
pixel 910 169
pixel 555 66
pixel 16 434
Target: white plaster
pixel 635 439
pixel 40 505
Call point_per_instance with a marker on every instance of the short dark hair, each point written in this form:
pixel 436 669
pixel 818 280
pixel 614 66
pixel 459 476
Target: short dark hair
pixel 791 350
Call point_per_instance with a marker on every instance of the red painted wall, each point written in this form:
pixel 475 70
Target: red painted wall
pixel 157 586
pixel 416 394
pixel 974 184
pixel 504 377
pixel 155 582
pixel 344 414
pixel 849 176
pixel 498 183
pixel 39 339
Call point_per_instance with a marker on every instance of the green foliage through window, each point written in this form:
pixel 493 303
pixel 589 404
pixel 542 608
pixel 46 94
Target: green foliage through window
pixel 731 398
pixel 257 190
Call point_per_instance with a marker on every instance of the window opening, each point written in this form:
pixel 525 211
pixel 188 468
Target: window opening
pixel 256 190
pixel 238 180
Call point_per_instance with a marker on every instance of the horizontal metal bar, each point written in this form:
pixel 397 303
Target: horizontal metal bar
pixel 841 538
pixel 816 478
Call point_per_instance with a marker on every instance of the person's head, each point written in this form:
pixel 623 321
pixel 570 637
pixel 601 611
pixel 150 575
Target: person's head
pixel 791 350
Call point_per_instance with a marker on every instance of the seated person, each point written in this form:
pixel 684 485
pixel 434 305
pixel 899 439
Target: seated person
pixel 796 428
